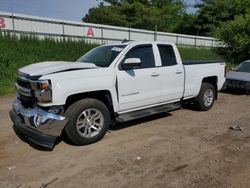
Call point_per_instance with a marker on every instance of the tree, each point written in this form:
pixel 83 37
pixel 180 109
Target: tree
pixel 229 21
pixel 141 14
pixel 187 25
pixel 109 15
pixel 236 35
pixel 112 2
pixel 211 13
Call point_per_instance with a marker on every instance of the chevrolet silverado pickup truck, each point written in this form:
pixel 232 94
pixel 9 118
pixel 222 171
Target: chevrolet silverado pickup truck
pixel 111 83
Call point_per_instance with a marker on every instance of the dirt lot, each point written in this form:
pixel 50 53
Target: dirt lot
pixel 184 148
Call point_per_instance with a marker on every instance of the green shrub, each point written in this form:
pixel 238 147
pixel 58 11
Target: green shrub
pixel 236 35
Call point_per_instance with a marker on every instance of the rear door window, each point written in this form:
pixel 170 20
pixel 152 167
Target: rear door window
pixel 167 55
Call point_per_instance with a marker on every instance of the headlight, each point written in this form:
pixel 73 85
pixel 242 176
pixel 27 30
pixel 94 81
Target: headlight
pixel 42 90
pixel 40 85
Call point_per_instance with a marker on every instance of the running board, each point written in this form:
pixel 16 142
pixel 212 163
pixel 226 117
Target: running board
pixel 148 112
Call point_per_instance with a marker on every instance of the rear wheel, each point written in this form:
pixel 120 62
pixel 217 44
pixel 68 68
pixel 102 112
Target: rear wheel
pixel 89 120
pixel 205 100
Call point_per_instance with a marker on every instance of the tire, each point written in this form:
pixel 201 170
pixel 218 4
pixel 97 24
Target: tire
pixel 205 100
pixel 89 121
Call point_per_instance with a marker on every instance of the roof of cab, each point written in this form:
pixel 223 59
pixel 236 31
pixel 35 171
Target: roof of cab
pixel 139 42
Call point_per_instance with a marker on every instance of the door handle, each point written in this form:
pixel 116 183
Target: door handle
pixel 179 72
pixel 154 74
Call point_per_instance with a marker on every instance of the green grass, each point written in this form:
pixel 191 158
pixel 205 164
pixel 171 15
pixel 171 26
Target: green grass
pixel 198 54
pixel 18 52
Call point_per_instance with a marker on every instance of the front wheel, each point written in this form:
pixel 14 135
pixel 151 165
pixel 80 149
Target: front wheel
pixel 89 120
pixel 205 100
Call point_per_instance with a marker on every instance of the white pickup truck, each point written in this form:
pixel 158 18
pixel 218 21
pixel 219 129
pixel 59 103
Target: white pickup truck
pixel 113 82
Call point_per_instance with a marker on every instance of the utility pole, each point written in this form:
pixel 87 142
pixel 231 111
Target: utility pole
pixel 155 34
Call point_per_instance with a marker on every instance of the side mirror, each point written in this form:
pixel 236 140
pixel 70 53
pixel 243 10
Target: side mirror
pixel 131 63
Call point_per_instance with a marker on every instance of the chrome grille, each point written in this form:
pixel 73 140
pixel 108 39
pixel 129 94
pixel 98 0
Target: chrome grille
pixel 26 101
pixel 25 92
pixel 23 82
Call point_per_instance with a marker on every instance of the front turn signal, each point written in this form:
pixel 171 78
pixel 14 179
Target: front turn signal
pixel 43 85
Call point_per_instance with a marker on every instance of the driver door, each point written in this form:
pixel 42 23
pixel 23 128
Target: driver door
pixel 139 87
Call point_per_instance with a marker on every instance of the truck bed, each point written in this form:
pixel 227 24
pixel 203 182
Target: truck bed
pixel 194 62
pixel 196 70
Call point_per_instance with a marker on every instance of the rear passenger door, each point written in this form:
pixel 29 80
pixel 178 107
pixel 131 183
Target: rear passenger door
pixel 139 87
pixel 172 74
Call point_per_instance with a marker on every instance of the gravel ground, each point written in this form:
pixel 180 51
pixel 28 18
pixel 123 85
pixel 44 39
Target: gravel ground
pixel 183 148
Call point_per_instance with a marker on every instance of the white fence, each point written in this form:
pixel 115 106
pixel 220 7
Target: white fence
pixel 96 33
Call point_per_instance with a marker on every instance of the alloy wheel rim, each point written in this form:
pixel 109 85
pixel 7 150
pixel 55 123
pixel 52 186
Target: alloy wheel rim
pixel 208 97
pixel 89 123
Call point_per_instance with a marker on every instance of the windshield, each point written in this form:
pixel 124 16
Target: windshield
pixel 102 56
pixel 244 67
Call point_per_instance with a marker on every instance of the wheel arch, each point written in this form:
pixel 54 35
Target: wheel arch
pixel 102 95
pixel 214 81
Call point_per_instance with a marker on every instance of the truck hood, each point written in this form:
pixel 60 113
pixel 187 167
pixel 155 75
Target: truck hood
pixel 49 67
pixel 241 76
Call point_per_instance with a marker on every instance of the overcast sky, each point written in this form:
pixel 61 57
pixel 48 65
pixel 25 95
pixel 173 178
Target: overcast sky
pixel 61 9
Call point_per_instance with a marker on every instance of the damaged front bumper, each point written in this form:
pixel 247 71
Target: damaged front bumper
pixel 38 125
